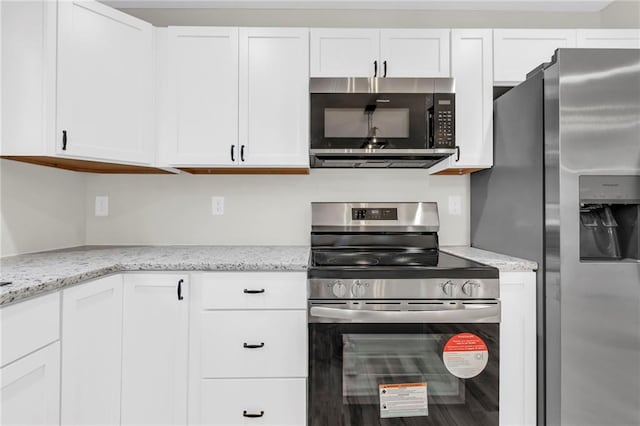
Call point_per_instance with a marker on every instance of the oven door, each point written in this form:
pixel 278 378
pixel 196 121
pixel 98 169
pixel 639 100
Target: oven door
pixel 434 373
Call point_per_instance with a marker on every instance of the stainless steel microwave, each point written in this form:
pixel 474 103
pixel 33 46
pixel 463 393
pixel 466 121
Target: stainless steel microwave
pixel 381 122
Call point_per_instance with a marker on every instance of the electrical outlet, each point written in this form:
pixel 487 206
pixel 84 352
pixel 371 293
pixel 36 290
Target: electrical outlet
pixel 217 206
pixel 455 205
pixel 102 205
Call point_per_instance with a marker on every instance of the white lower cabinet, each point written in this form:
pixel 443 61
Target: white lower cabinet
pixel 154 349
pixel 254 344
pixel 274 402
pixel 518 349
pixel 248 352
pixel 91 352
pixel 30 389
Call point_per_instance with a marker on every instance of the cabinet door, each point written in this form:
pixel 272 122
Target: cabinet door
pixel 274 97
pixel 203 93
pixel 154 349
pixel 28 76
pixel 345 52
pixel 609 39
pixel 92 351
pixel 518 51
pixel 518 349
pixel 30 389
pixel 105 83
pixel 414 52
pixel 471 67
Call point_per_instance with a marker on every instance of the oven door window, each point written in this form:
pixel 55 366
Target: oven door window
pixel 370 360
pixel 348 363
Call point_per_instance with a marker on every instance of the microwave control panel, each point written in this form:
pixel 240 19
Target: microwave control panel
pixel 444 120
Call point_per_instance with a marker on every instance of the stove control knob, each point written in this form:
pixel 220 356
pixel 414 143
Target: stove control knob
pixel 469 288
pixel 448 287
pixel 358 289
pixel 339 289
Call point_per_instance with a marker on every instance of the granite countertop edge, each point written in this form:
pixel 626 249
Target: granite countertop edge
pixel 502 262
pixel 31 278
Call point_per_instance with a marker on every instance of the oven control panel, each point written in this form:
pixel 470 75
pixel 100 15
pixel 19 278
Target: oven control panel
pixel 374 214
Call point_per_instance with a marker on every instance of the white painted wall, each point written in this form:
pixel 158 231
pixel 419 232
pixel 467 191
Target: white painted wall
pixel 41 208
pixel 367 18
pixel 258 209
pixel 621 14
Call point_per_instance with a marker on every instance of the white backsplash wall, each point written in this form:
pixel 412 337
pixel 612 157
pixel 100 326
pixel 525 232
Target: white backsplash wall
pixel 258 209
pixel 41 208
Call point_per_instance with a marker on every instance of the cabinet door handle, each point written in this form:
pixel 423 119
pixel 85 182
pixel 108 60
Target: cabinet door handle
pixel 233 150
pixel 64 140
pixel 248 346
pixel 385 68
pixel 375 68
pixel 457 153
pixel 180 289
pixel 242 153
pixel 253 416
pixel 247 291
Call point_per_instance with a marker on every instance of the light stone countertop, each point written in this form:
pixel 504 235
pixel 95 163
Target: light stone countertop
pixel 501 261
pixel 39 273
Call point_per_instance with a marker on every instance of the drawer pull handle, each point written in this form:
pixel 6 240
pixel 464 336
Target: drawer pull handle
pixel 251 415
pixel 247 291
pixel 248 346
pixel 180 290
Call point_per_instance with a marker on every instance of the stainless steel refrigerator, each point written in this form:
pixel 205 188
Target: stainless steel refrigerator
pixel 565 191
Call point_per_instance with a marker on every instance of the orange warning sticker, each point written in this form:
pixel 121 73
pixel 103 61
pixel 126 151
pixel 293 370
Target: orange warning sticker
pixel 465 355
pixel 403 400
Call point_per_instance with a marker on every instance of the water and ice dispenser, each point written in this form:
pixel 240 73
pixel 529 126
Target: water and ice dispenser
pixel 609 218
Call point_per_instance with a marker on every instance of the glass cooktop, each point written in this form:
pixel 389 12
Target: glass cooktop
pixel 394 263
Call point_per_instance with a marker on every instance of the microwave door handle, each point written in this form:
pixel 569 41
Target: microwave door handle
pixel 478 313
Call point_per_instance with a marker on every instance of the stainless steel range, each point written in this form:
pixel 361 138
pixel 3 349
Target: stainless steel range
pixel 399 332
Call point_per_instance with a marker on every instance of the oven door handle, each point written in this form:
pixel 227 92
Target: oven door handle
pixel 478 313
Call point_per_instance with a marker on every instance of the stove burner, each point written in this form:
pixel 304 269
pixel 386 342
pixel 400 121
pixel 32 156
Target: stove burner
pixel 352 259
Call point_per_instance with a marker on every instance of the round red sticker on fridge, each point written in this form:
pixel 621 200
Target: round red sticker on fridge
pixel 465 355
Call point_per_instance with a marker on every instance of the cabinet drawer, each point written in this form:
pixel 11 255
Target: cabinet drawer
pixel 27 326
pixel 254 290
pixel 278 402
pixel 281 337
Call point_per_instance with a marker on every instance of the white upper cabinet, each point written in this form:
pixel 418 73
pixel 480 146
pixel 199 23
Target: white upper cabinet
pixel 92 352
pixel 609 39
pixel 414 53
pixel 274 97
pixel 339 52
pixel 203 96
pixel 345 52
pixel 28 44
pixel 471 67
pixel 154 349
pixel 518 51
pixel 105 84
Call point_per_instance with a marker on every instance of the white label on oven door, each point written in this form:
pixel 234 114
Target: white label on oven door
pixel 465 355
pixel 403 400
